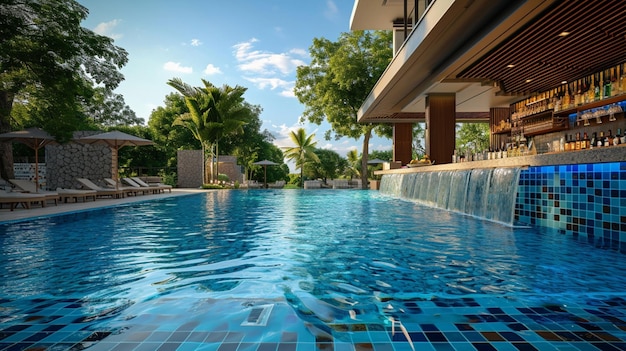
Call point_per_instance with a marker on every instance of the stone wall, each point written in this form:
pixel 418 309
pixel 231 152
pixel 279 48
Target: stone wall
pixel 189 168
pixel 228 165
pixel 67 162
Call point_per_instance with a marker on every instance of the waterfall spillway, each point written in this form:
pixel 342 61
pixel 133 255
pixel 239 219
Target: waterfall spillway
pixel 488 193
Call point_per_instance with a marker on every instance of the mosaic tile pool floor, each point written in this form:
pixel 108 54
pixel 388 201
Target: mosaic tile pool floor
pixel 460 324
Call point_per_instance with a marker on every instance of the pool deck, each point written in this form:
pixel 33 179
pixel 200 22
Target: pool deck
pixel 21 213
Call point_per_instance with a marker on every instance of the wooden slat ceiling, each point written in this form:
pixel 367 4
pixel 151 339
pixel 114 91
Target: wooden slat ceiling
pixel 597 41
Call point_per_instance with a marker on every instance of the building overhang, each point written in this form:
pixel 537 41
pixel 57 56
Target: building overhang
pixel 489 53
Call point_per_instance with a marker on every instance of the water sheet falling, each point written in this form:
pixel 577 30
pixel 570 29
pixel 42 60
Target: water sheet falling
pixel 488 193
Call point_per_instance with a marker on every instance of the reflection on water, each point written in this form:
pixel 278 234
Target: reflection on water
pixel 316 248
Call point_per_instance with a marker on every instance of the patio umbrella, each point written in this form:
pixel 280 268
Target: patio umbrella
pixel 115 140
pixel 375 161
pixel 34 138
pixel 265 163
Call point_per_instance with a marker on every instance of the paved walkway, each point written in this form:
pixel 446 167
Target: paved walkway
pixel 36 211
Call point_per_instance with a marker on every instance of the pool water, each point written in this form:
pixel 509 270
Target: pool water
pixel 302 270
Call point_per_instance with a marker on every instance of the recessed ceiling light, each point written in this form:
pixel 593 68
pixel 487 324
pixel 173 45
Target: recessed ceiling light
pixel 510 66
pixel 528 80
pixel 563 34
pixel 564 82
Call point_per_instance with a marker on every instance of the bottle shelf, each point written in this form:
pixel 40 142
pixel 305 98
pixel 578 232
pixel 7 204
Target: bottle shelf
pixel 591 105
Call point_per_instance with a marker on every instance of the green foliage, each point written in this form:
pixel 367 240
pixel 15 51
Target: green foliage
pixel 294 179
pixel 47 58
pixel 337 81
pixel 223 178
pixel 330 166
pixel 472 137
pixel 304 150
pixel 213 113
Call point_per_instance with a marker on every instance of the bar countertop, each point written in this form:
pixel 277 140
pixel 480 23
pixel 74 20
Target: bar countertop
pixel 595 155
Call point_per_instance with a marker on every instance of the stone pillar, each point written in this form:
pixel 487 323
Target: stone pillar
pixel 403 142
pixel 189 168
pixel 440 127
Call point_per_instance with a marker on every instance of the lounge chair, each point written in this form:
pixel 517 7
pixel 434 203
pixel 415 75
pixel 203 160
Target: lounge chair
pixel 279 184
pixel 100 191
pixel 129 190
pixel 160 186
pixel 26 186
pixel 24 199
pixel 75 194
pixel 150 189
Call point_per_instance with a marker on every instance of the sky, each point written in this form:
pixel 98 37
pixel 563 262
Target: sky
pixel 251 43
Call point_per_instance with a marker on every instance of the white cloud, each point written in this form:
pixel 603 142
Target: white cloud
pixel 331 11
pixel 271 83
pixel 196 42
pixel 106 29
pixel 211 70
pixel 299 52
pixel 176 67
pixel 265 63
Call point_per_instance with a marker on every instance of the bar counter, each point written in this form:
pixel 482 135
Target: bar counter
pixel 595 155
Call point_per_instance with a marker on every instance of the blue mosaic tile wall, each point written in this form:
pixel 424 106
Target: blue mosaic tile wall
pixel 587 201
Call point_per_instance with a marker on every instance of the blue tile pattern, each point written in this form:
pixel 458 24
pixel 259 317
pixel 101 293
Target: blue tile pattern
pixel 586 201
pixel 436 323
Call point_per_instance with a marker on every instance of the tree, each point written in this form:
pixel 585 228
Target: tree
pixel 45 54
pixel 109 109
pixel 354 163
pixel 167 137
pixel 213 113
pixel 337 81
pixel 472 136
pixel 303 152
pixel 331 165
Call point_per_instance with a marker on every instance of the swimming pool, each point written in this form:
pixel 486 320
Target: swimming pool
pixel 302 270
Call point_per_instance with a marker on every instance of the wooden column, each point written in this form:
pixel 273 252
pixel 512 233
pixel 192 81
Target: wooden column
pixel 403 142
pixel 440 127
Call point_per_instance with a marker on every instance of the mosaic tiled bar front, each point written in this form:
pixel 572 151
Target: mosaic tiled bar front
pixel 587 201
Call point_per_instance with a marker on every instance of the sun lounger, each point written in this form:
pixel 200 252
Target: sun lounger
pixel 24 199
pixel 76 194
pixel 129 190
pixel 161 187
pixel 150 189
pixel 26 186
pixel 100 191
pixel 279 184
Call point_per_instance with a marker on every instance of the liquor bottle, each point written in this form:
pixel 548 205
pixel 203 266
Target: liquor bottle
pixel 565 101
pixel 607 86
pixel 577 147
pixel 585 142
pixel 596 87
pixel 618 137
pixel 622 140
pixel 623 80
pixel 566 145
pixel 577 94
pixel 614 81
pixel 590 92
pixel 608 141
pixel 600 140
pixel 594 140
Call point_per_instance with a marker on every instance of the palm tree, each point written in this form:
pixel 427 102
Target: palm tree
pixel 353 164
pixel 303 152
pixel 229 114
pixel 213 113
